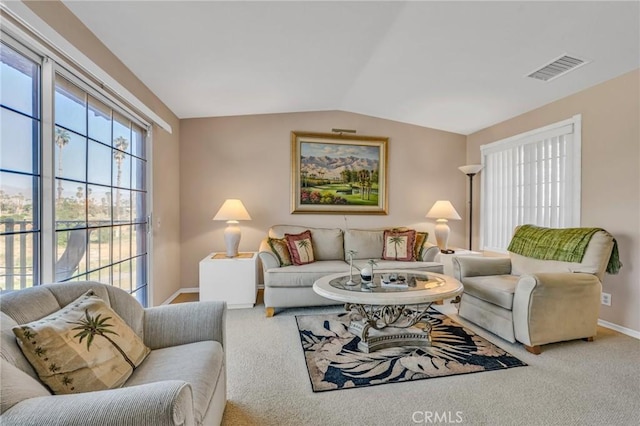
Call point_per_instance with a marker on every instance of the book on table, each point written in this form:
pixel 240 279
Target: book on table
pixel 394 280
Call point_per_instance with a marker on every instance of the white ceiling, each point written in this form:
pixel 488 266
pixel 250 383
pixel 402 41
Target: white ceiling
pixel 455 66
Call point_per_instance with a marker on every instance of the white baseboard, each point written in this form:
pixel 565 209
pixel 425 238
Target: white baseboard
pixel 192 290
pixel 179 292
pixel 619 328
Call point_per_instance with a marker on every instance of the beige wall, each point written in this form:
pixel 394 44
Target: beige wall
pixel 165 151
pixel 610 175
pixel 249 157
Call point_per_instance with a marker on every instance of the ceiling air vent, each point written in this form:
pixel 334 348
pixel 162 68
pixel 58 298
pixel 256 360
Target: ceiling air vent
pixel 558 67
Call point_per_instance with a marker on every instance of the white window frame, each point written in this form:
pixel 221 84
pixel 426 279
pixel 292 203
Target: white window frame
pixel 52 63
pixel 571 127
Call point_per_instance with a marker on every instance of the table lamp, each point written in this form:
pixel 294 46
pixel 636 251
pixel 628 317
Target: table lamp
pixel 232 211
pixel 443 211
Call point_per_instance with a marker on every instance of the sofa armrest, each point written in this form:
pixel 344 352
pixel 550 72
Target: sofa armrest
pixel 160 403
pixel 173 325
pixel 552 307
pixel 268 260
pixel 472 266
pixel 430 252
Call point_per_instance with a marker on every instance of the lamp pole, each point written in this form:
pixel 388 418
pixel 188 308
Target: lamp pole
pixel 471 170
pixel 471 175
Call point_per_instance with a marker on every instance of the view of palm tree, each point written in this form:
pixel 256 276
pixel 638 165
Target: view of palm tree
pixel 62 139
pixel 121 144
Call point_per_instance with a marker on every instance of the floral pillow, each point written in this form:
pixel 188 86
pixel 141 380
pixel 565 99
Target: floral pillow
pixel 300 247
pixel 281 250
pixel 399 245
pixel 418 248
pixel 83 347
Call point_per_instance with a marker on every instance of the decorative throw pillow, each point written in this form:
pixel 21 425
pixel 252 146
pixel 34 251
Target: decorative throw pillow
pixel 421 240
pixel 301 247
pixel 398 245
pixel 281 250
pixel 83 347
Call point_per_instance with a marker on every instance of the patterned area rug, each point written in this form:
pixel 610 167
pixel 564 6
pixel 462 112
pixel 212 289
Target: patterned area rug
pixel 334 361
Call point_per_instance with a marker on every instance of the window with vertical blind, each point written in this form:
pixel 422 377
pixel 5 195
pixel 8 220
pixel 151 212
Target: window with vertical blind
pixel 531 178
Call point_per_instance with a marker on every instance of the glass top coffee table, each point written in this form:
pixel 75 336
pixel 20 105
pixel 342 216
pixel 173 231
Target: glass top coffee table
pixel 387 315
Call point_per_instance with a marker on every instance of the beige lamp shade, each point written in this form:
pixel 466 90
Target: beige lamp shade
pixel 471 169
pixel 443 209
pixel 232 209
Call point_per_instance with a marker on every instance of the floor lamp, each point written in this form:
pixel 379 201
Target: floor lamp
pixel 471 170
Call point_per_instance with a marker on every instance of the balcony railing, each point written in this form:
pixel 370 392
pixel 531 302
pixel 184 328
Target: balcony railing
pixel 19 267
pixel 16 273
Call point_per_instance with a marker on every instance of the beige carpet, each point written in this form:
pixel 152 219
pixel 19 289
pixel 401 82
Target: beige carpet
pixel 574 383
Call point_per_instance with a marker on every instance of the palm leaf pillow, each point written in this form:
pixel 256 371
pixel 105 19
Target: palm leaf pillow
pixel 300 247
pixel 83 347
pixel 399 245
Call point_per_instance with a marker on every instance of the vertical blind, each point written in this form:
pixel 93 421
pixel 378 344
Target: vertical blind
pixel 530 179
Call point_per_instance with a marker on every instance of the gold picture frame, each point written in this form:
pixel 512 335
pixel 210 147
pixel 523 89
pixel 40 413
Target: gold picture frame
pixel 338 173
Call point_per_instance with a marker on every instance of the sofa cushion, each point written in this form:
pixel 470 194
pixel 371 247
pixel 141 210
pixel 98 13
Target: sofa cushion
pixel 199 364
pixel 328 243
pixel 496 289
pixel 420 245
pixel 280 248
pixel 83 347
pixel 368 244
pixel 300 247
pixel 401 265
pixel 17 386
pixel 398 245
pixel 303 275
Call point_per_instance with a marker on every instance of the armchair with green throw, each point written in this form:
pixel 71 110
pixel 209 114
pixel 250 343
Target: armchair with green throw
pixel 546 291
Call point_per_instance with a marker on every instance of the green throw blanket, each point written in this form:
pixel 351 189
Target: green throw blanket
pixel 566 245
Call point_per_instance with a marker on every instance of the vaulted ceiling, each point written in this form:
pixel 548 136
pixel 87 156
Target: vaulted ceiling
pixel 455 66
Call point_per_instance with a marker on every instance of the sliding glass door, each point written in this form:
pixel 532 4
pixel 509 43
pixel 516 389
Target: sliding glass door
pixel 95 198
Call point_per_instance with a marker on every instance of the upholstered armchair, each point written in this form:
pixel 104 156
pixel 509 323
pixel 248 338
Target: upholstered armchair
pixel 182 381
pixel 535 301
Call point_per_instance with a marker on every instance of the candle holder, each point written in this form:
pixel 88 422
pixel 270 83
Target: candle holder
pixel 350 253
pixel 372 263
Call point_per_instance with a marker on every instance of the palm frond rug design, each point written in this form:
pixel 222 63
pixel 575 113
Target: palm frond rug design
pixel 334 361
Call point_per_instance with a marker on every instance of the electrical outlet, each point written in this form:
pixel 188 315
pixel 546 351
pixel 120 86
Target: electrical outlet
pixel 605 299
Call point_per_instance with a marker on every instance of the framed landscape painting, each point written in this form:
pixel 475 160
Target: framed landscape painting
pixel 338 173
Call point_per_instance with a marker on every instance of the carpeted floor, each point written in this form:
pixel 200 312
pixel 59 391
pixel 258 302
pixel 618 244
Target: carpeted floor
pixel 335 362
pixel 572 383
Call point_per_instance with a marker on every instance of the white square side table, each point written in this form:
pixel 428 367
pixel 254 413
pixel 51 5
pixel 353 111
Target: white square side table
pixel 446 259
pixel 233 280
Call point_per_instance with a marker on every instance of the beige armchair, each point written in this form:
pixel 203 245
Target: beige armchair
pixel 181 382
pixel 535 301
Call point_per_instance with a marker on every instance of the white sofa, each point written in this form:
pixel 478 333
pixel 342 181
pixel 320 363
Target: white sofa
pixel 291 286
